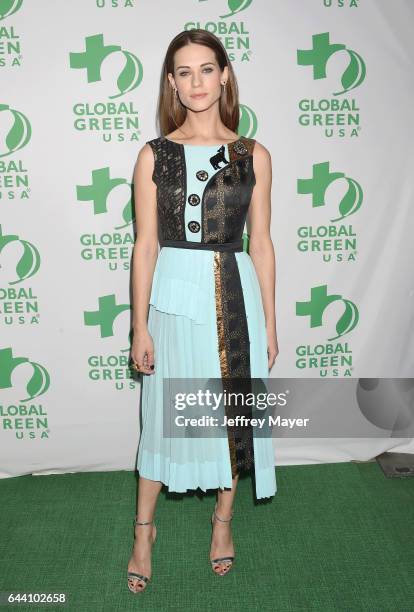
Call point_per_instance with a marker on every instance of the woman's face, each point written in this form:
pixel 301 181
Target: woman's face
pixel 196 71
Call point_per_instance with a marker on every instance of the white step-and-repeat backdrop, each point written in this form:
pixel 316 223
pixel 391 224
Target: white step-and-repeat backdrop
pixel 326 86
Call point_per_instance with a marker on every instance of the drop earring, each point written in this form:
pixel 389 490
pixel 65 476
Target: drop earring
pixel 175 97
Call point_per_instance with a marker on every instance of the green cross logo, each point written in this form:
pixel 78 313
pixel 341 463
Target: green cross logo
pixel 93 57
pixel 106 314
pixel 39 382
pixel 318 57
pixel 319 302
pixel 98 192
pixel 317 185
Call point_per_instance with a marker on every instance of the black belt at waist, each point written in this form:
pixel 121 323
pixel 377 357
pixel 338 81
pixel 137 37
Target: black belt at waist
pixel 209 246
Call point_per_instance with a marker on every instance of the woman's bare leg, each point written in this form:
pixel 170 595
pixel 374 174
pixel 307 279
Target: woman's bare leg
pixel 140 561
pixel 222 541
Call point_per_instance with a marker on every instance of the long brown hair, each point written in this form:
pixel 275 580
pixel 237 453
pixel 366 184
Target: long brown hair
pixel 170 112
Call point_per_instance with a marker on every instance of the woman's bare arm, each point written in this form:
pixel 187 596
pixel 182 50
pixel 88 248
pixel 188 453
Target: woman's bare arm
pixel 146 244
pixel 260 242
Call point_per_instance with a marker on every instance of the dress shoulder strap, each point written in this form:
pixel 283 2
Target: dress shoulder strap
pixel 169 160
pixel 155 145
pixel 241 148
pixel 249 143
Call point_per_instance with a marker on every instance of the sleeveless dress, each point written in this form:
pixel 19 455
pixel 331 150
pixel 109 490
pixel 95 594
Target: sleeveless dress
pixel 205 314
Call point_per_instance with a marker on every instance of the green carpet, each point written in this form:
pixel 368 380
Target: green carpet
pixel 335 537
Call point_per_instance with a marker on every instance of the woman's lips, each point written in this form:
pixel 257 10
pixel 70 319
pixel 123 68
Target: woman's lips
pixel 198 95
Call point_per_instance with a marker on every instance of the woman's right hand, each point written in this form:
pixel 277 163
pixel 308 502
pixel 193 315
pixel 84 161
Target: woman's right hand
pixel 142 351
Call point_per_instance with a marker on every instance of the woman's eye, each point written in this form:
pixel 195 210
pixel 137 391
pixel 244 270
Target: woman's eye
pixel 205 70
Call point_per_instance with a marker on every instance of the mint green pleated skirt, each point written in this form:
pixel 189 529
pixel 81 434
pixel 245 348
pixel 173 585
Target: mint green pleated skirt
pixel 182 322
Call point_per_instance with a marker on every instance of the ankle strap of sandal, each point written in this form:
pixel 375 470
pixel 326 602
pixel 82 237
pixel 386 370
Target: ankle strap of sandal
pixel 223 520
pixel 136 522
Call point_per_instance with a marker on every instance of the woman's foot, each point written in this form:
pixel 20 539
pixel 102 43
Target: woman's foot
pixel 221 542
pixel 140 561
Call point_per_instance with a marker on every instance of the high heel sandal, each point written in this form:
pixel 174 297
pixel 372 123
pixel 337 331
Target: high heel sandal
pixel 219 560
pixel 134 575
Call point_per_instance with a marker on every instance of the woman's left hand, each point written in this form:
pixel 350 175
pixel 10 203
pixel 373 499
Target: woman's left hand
pixel 272 347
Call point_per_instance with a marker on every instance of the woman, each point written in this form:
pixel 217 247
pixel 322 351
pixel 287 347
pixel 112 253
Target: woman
pixel 211 304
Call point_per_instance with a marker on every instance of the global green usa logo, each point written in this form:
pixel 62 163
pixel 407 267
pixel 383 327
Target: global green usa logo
pixel 37 384
pixel 98 191
pixel 10 43
pixel 234 7
pixel 90 61
pixel 317 186
pixel 336 116
pixel 111 247
pixel 19 132
pixel 19 260
pixel 317 57
pixel 235 33
pixel 331 357
pixel 337 241
pixel 27 258
pixel 320 300
pixel 9 7
pixel 109 367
